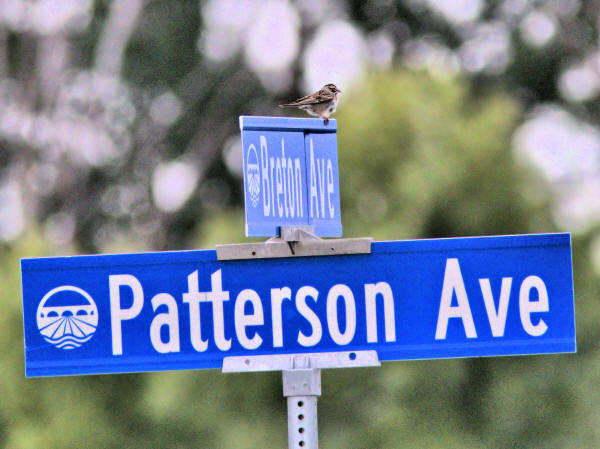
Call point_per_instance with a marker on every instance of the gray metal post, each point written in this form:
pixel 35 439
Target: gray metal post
pixel 302 387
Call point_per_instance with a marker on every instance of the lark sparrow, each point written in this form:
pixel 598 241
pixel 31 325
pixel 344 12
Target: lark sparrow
pixel 320 104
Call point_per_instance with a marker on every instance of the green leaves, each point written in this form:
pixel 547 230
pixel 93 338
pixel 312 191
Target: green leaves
pixel 420 158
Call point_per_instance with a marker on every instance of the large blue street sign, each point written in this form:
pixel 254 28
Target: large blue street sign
pixel 290 175
pixel 421 299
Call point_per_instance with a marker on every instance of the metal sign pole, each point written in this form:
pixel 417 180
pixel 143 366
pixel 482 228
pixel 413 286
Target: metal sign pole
pixel 302 387
pixel 301 373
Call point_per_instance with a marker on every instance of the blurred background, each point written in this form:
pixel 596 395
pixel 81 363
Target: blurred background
pixel 119 133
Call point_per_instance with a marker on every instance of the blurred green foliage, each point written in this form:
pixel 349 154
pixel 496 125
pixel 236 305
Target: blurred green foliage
pixel 418 158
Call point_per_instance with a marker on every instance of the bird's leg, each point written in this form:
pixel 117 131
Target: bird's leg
pixel 326 121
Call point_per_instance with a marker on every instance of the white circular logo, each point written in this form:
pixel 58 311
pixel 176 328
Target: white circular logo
pixel 67 317
pixel 253 175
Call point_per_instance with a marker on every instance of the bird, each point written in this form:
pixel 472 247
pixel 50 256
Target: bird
pixel 319 104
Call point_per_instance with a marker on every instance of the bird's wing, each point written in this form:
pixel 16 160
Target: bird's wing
pixel 321 96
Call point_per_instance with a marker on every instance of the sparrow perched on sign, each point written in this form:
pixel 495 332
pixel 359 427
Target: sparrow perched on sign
pixel 320 104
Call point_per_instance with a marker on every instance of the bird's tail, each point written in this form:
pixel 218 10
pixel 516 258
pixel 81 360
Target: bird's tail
pixel 287 105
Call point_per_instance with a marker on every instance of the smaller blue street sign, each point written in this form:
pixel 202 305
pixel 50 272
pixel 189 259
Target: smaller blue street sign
pixel 420 299
pixel 290 175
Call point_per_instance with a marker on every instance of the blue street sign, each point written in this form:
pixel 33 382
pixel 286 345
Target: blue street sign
pixel 422 299
pixel 290 175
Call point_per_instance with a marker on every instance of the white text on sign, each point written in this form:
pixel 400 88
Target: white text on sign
pixel 454 285
pixel 248 318
pixel 248 339
pixel 282 184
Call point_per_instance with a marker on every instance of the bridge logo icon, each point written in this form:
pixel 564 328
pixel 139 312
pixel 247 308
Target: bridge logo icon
pixel 253 174
pixel 67 317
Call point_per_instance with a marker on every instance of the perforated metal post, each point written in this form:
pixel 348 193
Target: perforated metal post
pixel 302 387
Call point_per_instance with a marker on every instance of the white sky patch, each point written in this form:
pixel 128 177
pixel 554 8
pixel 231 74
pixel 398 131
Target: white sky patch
pixel 488 49
pixel 511 9
pixel 267 33
pixel 165 109
pixel 538 28
pixel 90 143
pixel 428 53
pixel 218 44
pixel 11 211
pixel 60 228
pixel 225 24
pixel 232 155
pixel 313 11
pixel 272 41
pixel 579 83
pixel 381 48
pixel 173 184
pixel 336 55
pixel 578 205
pixel 89 120
pixel 558 144
pixel 45 16
pixel 277 82
pixel 567 152
pixel 91 117
pixel 457 11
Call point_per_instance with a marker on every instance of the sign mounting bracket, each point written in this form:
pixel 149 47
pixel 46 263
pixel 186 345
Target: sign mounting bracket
pixel 294 241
